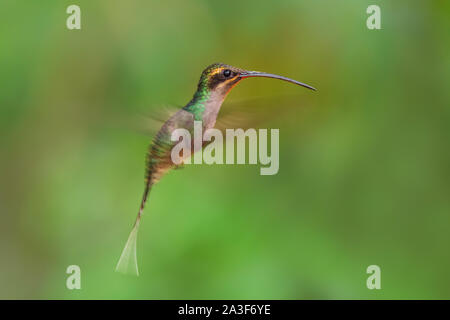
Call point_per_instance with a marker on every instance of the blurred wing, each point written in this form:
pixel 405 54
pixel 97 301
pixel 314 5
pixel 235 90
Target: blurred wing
pixel 260 112
pixel 150 122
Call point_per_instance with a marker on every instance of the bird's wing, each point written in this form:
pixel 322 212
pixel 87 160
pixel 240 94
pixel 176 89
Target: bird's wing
pixel 250 113
pixel 260 112
pixel 150 123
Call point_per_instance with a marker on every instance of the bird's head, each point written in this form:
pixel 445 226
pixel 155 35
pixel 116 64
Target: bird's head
pixel 221 78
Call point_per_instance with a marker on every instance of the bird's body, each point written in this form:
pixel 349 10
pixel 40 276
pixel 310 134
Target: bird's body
pixel 215 83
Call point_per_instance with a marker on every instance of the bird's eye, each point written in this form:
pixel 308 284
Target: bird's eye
pixel 226 73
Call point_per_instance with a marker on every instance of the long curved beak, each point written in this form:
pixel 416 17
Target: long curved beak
pixel 248 74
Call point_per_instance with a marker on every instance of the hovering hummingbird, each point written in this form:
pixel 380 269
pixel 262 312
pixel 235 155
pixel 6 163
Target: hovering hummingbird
pixel 215 83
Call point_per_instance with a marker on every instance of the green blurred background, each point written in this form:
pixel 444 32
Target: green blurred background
pixel 364 163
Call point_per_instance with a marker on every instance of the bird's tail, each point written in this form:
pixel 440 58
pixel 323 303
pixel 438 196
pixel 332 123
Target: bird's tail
pixel 128 261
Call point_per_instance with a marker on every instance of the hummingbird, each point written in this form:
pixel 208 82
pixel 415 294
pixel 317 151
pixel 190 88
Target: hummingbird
pixel 216 81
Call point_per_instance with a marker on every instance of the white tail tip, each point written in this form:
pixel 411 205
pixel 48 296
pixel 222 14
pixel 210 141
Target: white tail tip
pixel 128 261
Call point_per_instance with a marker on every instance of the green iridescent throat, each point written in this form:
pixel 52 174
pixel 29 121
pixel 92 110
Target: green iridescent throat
pixel 197 105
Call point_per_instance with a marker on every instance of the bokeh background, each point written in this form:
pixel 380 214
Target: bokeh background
pixel 364 162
